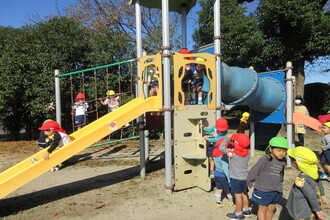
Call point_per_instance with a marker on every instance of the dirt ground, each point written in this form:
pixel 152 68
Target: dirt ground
pixel 103 183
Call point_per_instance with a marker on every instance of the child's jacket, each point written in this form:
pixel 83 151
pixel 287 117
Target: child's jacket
pixel 304 197
pixel 59 139
pixel 238 166
pixel 267 174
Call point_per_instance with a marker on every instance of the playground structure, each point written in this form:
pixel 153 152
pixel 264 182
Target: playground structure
pixel 266 96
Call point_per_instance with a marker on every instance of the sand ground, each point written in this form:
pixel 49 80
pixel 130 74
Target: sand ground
pixel 104 183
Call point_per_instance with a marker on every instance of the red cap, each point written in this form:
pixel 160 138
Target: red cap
pixel 186 51
pixel 80 96
pixel 49 125
pixel 221 124
pixel 52 125
pixel 241 139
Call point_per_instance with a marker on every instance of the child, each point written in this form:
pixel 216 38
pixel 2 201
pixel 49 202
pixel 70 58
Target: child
pixel 218 131
pixel 56 138
pixel 80 110
pixel 221 175
pixel 42 138
pixel 152 80
pixel 267 176
pixel 307 191
pixel 325 154
pixel 244 123
pixel 187 77
pixel 112 100
pixel 300 128
pixel 239 156
pixel 197 83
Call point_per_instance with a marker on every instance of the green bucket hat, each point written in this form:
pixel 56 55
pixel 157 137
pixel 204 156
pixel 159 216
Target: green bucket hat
pixel 277 142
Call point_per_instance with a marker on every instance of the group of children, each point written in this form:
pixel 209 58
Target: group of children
pixel 80 107
pixel 229 158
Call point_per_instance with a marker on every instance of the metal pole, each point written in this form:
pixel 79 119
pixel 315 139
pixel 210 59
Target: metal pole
pixel 167 97
pixel 252 138
pixel 289 110
pixel 217 52
pixel 146 132
pixel 184 26
pixel 58 97
pixel 140 119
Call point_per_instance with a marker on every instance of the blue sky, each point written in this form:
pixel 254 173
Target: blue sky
pixel 16 13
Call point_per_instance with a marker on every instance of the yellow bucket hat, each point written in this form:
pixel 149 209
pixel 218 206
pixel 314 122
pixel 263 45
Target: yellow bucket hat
pixel 306 160
pixel 111 92
pixel 327 124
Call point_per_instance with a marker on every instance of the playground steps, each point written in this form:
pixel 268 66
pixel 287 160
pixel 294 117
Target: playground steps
pixel 190 149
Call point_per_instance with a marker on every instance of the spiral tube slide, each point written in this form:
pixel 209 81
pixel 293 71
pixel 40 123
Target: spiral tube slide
pixel 243 87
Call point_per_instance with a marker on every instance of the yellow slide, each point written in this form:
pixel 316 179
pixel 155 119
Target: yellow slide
pixel 25 171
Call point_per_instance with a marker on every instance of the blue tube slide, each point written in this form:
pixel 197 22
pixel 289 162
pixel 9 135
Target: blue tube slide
pixel 241 86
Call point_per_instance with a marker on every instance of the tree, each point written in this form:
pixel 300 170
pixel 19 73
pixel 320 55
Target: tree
pixel 117 15
pixel 297 30
pixel 242 41
pixel 278 32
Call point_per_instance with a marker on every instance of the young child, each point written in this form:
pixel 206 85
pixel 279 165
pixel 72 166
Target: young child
pixel 197 83
pixel 42 138
pixel 79 108
pixel 239 156
pixel 266 177
pixel 152 80
pixel 244 123
pixel 56 138
pixel 221 175
pixel 219 131
pixel 325 154
pixel 187 77
pixel 112 100
pixel 300 128
pixel 307 192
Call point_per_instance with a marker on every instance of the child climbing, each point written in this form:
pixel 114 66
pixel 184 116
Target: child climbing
pixel 56 138
pixel 112 100
pixel 307 192
pixel 325 154
pixel 196 87
pixel 266 177
pixel 244 123
pixel 239 155
pixel 220 130
pixel 79 109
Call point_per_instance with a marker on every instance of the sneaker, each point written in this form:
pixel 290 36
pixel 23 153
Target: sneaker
pixel 218 205
pixel 235 216
pixel 247 213
pixel 54 169
pixel 211 174
pixel 33 160
pixel 324 176
pixel 230 203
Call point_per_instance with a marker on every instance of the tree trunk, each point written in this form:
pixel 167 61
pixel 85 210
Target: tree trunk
pixel 299 73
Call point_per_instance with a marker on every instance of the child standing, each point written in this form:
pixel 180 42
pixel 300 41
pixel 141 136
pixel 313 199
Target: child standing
pixel 221 175
pixel 219 131
pixel 112 100
pixel 325 154
pixel 239 156
pixel 307 193
pixel 197 83
pixel 56 138
pixel 267 176
pixel 244 123
pixel 79 108
pixel 187 77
